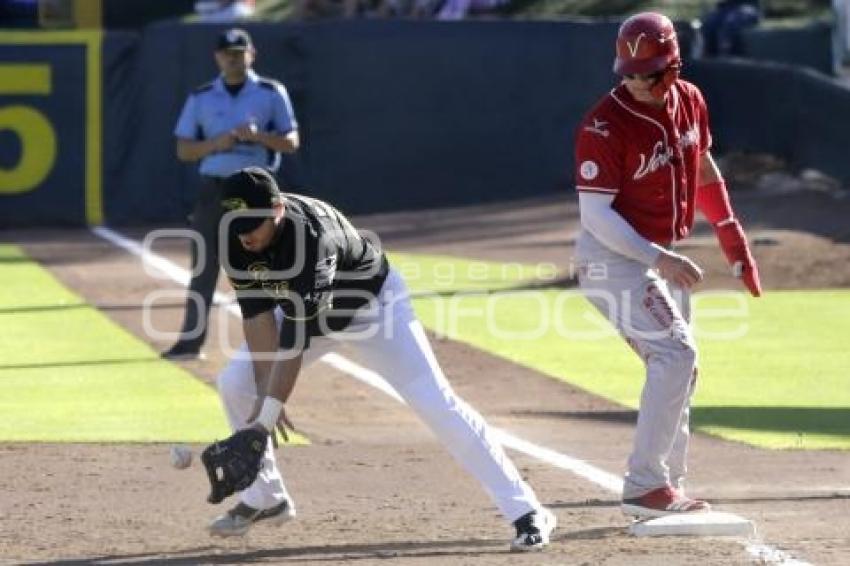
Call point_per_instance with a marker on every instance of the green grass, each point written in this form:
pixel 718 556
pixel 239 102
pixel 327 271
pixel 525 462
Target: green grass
pixel 25 286
pixel 141 402
pixel 773 370
pixel 69 374
pixel 446 274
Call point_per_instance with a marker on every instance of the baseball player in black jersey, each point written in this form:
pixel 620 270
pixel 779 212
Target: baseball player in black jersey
pixel 306 281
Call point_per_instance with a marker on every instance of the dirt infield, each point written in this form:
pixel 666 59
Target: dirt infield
pixel 374 486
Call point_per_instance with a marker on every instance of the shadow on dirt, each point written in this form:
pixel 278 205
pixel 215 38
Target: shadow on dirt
pixel 100 306
pixel 327 553
pixel 83 363
pixel 342 552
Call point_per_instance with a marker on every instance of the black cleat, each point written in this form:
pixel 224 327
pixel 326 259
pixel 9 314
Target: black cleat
pixel 183 351
pixel 533 530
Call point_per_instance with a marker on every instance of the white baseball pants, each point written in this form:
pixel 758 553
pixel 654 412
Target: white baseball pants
pixel 655 321
pixel 392 343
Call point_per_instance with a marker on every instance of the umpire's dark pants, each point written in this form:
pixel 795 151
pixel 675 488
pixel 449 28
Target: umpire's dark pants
pixel 205 221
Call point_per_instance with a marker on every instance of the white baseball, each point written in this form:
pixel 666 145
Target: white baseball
pixel 181 456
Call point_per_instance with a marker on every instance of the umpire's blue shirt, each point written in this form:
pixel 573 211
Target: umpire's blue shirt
pixel 210 111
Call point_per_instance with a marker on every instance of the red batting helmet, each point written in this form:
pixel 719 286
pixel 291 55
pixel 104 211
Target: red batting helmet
pixel 646 43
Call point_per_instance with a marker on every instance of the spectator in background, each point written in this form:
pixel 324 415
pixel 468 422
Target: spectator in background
pixel 224 10
pixel 722 26
pixel 402 9
pixel 328 9
pixel 416 9
pixel 461 9
pixel 349 9
pixel 238 120
pixel 446 10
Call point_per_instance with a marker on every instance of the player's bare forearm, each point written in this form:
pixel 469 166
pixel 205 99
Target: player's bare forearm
pixel 709 172
pixel 261 337
pixel 282 378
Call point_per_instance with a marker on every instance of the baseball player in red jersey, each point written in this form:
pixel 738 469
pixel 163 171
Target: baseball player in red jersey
pixel 643 165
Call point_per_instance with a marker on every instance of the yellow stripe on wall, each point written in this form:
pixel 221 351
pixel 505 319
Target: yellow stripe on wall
pixel 94 130
pixel 68 37
pixel 88 14
pixel 93 41
pixel 24 78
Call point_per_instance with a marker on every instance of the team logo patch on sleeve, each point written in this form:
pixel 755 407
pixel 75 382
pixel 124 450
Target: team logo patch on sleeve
pixel 598 127
pixel 588 170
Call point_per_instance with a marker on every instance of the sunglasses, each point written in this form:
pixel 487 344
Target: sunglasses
pixel 650 77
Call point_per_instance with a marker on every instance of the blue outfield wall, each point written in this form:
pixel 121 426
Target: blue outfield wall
pixel 49 128
pixel 394 115
pixel 41 148
pixel 793 112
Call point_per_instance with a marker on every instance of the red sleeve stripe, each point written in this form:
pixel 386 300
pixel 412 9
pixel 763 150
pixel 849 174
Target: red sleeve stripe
pixel 584 189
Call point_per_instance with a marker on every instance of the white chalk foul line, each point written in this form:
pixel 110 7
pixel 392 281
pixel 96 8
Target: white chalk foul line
pixel 578 467
pixel 763 553
pixel 766 554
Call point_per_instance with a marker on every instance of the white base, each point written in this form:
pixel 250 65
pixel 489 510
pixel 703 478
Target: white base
pixel 711 523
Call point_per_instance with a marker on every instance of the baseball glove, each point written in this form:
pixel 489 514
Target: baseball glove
pixel 233 464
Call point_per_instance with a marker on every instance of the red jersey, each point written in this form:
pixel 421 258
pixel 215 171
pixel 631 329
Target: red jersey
pixel 647 157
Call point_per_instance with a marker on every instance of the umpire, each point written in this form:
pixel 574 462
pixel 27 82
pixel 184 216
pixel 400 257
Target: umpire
pixel 238 120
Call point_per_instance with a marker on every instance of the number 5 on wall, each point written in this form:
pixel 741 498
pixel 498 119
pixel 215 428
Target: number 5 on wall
pixel 35 132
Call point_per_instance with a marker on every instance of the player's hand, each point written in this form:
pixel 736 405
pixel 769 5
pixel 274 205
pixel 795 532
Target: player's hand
pixel 224 142
pixel 678 269
pixel 283 424
pixel 246 133
pixel 733 242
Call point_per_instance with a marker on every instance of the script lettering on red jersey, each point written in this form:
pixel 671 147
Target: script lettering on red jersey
pixel 691 137
pixel 660 156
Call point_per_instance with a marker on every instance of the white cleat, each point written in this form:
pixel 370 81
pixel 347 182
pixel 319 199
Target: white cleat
pixel 237 521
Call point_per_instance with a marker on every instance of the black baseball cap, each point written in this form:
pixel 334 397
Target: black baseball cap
pixel 235 38
pixel 250 193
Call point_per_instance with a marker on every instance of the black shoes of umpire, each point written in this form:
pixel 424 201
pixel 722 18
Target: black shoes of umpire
pixel 183 351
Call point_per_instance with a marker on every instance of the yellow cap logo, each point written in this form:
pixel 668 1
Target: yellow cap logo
pixel 234 204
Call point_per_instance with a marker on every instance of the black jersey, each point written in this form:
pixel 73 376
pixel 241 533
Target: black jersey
pixel 318 270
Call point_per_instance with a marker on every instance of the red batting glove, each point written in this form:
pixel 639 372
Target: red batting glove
pixel 713 200
pixel 733 242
